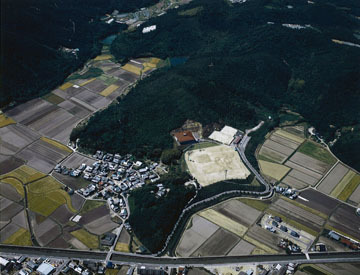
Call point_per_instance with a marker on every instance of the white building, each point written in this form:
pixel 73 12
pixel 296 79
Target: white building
pixel 149 29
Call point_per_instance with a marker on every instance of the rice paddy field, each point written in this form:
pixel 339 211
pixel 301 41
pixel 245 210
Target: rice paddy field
pixel 91 241
pixel 288 157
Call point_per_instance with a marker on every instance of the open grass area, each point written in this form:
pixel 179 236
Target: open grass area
pixel 16 184
pixel 260 245
pixel 224 222
pixel 122 247
pixel 316 151
pixel 293 223
pixel 88 239
pixel 342 184
pixel 257 204
pixel 273 170
pixel 108 91
pixel 5 121
pixel 24 173
pixel 45 196
pixel 53 98
pixel 89 205
pixel 66 86
pixel 20 237
pixel 288 135
pixel 350 188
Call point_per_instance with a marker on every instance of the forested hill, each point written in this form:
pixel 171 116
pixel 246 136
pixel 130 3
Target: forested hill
pixel 32 32
pixel 245 62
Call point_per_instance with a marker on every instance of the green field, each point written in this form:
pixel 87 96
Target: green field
pixel 316 151
pixel 273 170
pixel 45 196
pixel 90 240
pixel 350 188
pixel 53 98
pixel 24 173
pixel 20 237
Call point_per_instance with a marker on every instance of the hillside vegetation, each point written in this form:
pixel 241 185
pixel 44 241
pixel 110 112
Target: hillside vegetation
pixel 32 31
pixel 240 68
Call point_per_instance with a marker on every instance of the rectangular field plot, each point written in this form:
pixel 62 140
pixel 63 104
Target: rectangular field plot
pixel 273 170
pixel 303 177
pixel 200 229
pixel 263 239
pixel 92 99
pixel 15 137
pixel 344 220
pixel 333 178
pixel 42 155
pixel 31 109
pixel 284 141
pixel 355 196
pixel 76 159
pixel 289 136
pixel 295 130
pixel 75 109
pixel 5 121
pixel 109 90
pixel 318 201
pixel 220 243
pixel 310 163
pixel 223 221
pixel 298 217
pixel 350 188
pixel 294 183
pixel 96 86
pixel 272 155
pixel 317 151
pixel 53 98
pixel 278 147
pixel 304 170
pixel 242 248
pixel 238 211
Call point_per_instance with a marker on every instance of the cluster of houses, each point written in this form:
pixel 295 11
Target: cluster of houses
pixel 287 192
pixel 289 245
pixel 112 175
pixel 25 266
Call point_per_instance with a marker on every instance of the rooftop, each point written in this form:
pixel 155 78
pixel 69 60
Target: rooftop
pixel 184 137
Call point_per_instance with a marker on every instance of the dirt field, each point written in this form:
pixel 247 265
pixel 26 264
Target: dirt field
pixel 46 231
pixel 224 222
pixel 8 209
pixel 346 220
pixel 123 241
pixel 20 220
pixel 95 86
pixel 310 163
pixel 59 242
pixel 30 109
pixel 303 170
pixel 77 201
pixel 220 243
pixel 7 231
pixel 278 147
pixel 94 214
pixel 75 108
pixel 318 201
pixel 258 236
pixel 299 215
pixel 62 214
pixel 238 211
pixel 194 236
pixel 9 192
pixel 8 164
pixel 342 184
pixel 355 196
pixel 241 248
pixel 272 155
pixel 74 183
pixel 101 226
pixel 333 178
pixel 15 137
pixel 76 159
pixel 209 165
pixel 273 170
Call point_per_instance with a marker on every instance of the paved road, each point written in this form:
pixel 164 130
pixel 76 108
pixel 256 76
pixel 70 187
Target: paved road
pixel 124 258
pixel 240 148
